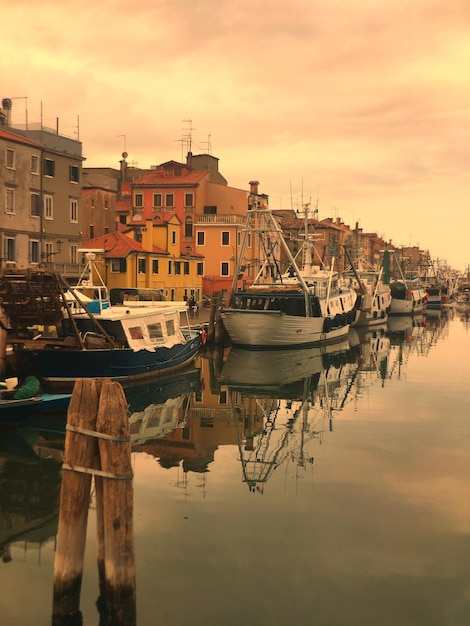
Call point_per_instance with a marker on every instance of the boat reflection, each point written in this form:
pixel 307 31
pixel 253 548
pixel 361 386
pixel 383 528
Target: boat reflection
pixel 159 409
pixel 281 401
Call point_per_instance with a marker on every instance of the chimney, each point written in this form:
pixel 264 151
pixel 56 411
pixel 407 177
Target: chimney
pixel 254 187
pixel 6 106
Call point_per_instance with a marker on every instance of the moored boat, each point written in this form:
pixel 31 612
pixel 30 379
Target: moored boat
pixel 285 306
pixel 123 343
pixel 373 294
pixel 12 410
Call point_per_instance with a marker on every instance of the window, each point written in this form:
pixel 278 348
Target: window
pixel 34 164
pixel 169 268
pixel 173 237
pixel 177 267
pixel 201 238
pixel 188 200
pixel 155 332
pixel 48 252
pixel 10 159
pixel 157 201
pixel 225 238
pixel 9 200
pixel 74 211
pixel 170 327
pixel 170 200
pixel 74 174
pixel 49 168
pixel 9 252
pixel 224 269
pixel 48 208
pixel 34 251
pixel 138 201
pixel 73 253
pixel 154 266
pixel 200 268
pixel 210 210
pixel 142 265
pixel 92 231
pixel 118 266
pixel 35 210
pixel 186 268
pixel 188 227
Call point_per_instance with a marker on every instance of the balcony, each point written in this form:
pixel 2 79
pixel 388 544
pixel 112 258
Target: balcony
pixel 220 219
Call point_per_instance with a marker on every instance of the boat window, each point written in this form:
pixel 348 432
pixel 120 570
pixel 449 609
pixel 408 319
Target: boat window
pixel 155 332
pixel 170 327
pixel 136 332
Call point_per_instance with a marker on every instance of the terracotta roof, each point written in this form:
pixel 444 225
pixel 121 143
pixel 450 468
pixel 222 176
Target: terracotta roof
pixel 123 204
pixel 4 134
pixel 117 245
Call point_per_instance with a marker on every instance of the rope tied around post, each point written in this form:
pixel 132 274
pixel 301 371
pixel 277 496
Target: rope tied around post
pixel 96 472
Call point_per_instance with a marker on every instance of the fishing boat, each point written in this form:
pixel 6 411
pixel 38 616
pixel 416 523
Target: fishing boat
pixel 408 294
pixel 58 344
pixel 374 296
pixel 285 306
pixel 408 297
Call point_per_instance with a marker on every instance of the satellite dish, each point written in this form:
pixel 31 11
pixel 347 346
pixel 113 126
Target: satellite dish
pixel 124 155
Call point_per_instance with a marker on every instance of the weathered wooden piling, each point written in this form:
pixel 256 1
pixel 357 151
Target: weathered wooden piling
pixel 3 342
pixel 215 331
pixel 97 443
pixel 80 452
pixel 114 506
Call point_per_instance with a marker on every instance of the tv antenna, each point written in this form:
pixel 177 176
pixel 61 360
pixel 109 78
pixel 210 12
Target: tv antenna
pixel 189 137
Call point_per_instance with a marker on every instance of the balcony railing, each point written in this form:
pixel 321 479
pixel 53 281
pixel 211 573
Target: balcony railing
pixel 220 219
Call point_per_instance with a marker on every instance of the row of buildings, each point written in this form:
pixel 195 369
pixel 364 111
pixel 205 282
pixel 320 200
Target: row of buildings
pixel 175 227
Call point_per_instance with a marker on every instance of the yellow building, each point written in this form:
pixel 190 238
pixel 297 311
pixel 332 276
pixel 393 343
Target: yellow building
pixel 149 256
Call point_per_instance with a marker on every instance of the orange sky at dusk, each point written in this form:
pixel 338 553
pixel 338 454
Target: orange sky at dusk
pixel 363 105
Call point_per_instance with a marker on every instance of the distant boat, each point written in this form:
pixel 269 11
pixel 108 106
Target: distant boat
pixel 285 306
pixel 374 296
pixel 408 295
pixel 95 340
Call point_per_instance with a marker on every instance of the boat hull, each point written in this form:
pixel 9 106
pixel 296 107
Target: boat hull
pixel 58 367
pixel 12 411
pixel 273 329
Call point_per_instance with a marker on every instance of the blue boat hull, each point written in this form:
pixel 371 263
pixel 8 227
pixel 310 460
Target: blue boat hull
pixel 12 411
pixel 59 367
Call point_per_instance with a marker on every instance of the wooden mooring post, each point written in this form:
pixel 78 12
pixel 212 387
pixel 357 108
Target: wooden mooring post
pixel 97 443
pixel 215 331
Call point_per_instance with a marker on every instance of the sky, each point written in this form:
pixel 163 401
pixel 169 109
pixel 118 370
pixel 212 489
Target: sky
pixel 359 108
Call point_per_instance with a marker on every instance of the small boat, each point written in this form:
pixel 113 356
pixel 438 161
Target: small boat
pixel 123 343
pixel 408 297
pixel 374 296
pixel 12 411
pixel 285 306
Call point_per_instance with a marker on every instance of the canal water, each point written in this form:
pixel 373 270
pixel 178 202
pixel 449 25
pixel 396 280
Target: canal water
pixel 325 487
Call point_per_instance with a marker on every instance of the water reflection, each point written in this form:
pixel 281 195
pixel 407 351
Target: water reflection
pixel 29 494
pixel 267 414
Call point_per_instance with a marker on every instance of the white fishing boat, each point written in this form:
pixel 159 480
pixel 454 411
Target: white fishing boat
pixel 374 296
pixel 285 306
pixel 408 297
